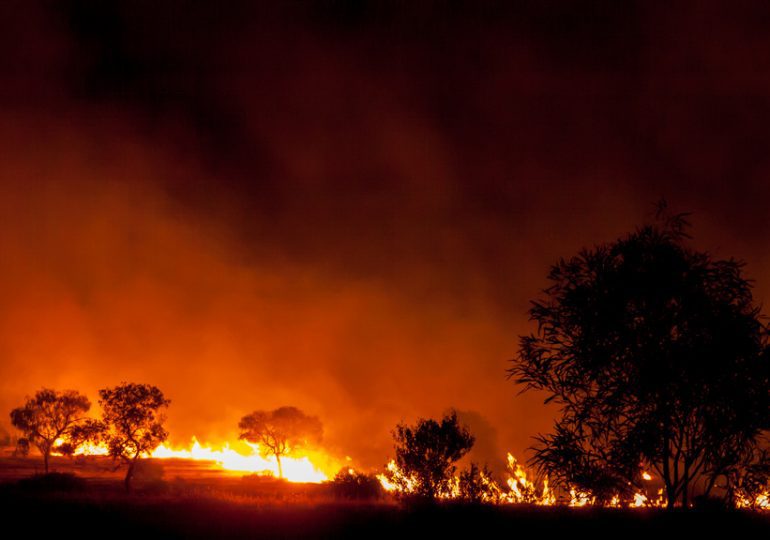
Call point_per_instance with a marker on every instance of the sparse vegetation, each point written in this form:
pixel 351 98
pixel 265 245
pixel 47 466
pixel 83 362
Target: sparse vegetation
pixel 132 423
pixel 47 419
pixel 354 485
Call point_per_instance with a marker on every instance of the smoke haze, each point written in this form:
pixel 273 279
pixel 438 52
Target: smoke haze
pixel 345 208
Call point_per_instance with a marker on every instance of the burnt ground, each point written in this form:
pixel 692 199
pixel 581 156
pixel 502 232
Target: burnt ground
pixel 182 500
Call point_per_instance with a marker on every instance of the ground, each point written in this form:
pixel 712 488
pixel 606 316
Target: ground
pixel 183 499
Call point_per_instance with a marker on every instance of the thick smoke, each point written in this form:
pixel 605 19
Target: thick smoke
pixel 346 211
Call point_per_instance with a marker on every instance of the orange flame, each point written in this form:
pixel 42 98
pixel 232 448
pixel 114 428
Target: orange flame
pixel 306 468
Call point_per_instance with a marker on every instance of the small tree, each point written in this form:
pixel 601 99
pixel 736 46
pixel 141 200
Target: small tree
pixel 658 358
pixel 351 484
pixel 281 432
pixel 426 454
pixel 47 419
pixel 132 423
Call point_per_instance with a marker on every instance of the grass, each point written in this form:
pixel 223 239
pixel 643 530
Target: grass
pixel 202 505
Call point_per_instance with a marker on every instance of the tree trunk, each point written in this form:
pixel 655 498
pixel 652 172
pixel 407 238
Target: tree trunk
pixel 280 468
pixel 670 491
pixel 686 484
pixel 46 455
pixel 129 475
pixel 670 496
pixel 710 485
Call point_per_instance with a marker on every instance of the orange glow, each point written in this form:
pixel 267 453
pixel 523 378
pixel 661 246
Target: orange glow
pixel 314 467
pixel 318 467
pixel 760 502
pixel 295 469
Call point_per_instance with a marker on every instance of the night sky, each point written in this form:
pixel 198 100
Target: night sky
pixel 348 206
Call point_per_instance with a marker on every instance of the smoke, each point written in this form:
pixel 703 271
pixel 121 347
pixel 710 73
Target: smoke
pixel 347 211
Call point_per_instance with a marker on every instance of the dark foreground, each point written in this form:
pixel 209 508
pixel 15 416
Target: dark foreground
pixel 181 499
pixel 103 514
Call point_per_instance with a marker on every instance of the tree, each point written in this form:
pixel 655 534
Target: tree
pixel 280 432
pixel 132 423
pixel 657 357
pixel 351 484
pixel 427 452
pixel 476 485
pixel 47 419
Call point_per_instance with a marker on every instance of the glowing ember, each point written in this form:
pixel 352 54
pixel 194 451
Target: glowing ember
pixel 581 498
pixel 760 502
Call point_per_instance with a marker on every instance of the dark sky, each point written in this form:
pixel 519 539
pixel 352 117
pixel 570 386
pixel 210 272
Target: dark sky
pixel 347 206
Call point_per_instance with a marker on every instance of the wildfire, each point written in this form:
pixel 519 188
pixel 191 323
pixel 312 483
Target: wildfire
pixel 759 502
pixel 522 490
pixel 299 469
pixel 398 479
pixel 519 489
pixel 581 498
pixel 318 467
pixel 295 469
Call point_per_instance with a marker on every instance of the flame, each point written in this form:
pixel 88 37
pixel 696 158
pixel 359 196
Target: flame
pixel 523 490
pixel 85 449
pixel 318 467
pixel 398 480
pixel 579 498
pixel 520 488
pixel 759 502
pixel 295 469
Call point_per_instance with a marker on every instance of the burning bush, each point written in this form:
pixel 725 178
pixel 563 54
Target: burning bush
pixel 350 484
pixel 476 485
pixel 425 457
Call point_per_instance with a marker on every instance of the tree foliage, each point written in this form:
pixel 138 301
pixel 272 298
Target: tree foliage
pixel 476 485
pixel 355 485
pixel 280 432
pixel 426 454
pixel 132 423
pixel 48 418
pixel 657 357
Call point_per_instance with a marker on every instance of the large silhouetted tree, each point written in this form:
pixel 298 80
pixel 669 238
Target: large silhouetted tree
pixel 280 432
pixel 657 356
pixel 426 454
pixel 47 419
pixel 132 422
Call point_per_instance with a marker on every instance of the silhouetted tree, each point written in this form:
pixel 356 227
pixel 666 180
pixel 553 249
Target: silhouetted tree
pixel 657 357
pixel 47 419
pixel 22 447
pixel 427 452
pixel 132 423
pixel 280 432
pixel 749 482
